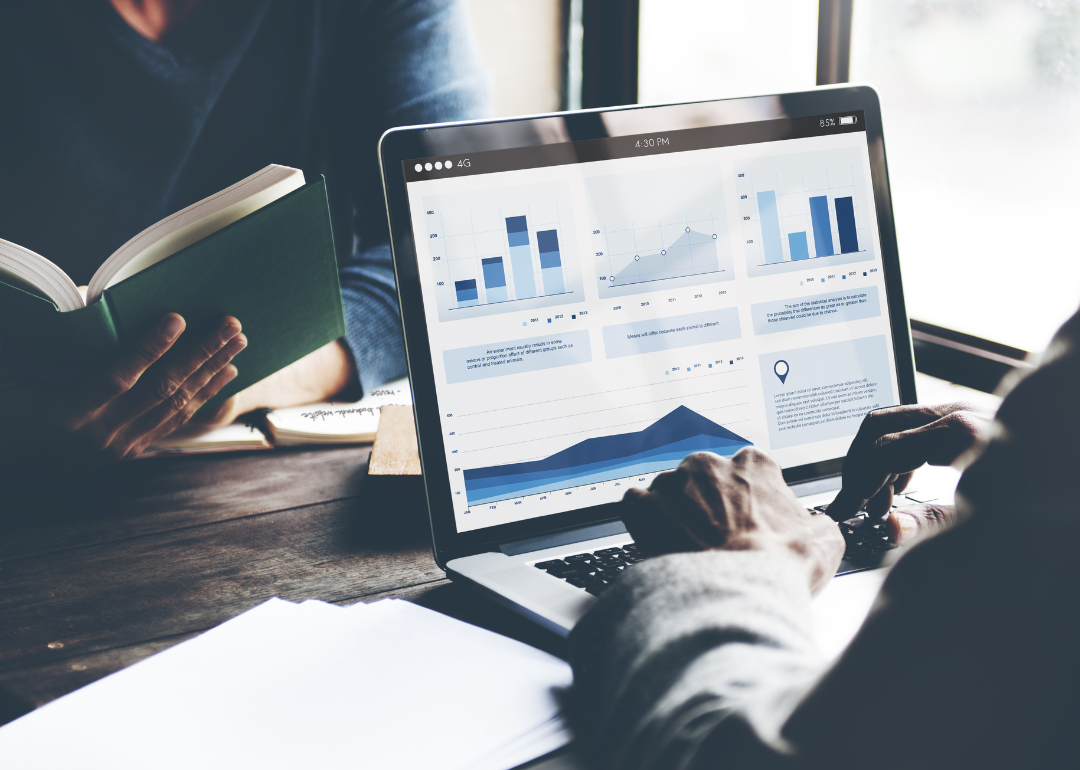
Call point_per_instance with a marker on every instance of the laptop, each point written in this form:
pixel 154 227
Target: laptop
pixel 588 297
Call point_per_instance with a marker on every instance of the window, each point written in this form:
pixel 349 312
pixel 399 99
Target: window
pixel 521 44
pixel 980 103
pixel 981 99
pixel 705 49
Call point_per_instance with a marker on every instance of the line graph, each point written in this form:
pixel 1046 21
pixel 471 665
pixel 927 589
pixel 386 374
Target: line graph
pixel 659 228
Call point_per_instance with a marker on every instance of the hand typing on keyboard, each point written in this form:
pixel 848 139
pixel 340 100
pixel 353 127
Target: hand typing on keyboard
pixel 742 504
pixel 891 444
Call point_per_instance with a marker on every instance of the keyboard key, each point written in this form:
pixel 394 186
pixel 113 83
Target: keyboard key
pixel 578 569
pixel 596 589
pixel 589 570
pixel 549 564
pixel 583 581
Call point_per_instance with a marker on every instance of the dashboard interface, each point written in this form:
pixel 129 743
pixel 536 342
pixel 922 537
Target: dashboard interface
pixel 597 310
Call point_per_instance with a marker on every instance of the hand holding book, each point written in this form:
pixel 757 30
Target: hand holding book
pixel 261 250
pixel 144 392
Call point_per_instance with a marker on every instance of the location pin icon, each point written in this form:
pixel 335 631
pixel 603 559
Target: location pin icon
pixel 781 369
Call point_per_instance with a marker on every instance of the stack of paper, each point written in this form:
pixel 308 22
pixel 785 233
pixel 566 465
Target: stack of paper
pixel 385 685
pixel 336 423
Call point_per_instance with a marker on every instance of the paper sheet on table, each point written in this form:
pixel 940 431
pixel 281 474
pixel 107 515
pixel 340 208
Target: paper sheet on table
pixel 310 685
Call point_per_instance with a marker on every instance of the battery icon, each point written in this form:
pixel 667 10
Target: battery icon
pixel 849 120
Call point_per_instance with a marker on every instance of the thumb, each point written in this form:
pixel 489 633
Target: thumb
pixel 908 525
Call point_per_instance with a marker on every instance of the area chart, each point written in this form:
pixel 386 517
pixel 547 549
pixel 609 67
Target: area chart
pixel 658 447
pixel 659 229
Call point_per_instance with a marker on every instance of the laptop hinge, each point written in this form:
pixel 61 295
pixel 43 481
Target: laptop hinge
pixel 816 486
pixel 566 537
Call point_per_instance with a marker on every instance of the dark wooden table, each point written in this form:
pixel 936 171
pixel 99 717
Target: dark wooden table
pixel 98 572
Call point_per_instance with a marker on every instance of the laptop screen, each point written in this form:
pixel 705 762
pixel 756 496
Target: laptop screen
pixel 599 309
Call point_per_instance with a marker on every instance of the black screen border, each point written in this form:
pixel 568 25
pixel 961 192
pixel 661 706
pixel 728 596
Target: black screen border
pixel 400 144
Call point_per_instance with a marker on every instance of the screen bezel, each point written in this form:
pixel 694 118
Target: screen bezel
pixel 401 144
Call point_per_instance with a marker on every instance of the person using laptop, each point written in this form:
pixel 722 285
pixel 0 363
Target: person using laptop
pixel 704 656
pixel 589 298
pixel 128 111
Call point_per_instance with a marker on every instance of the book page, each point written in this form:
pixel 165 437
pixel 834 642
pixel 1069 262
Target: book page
pixel 337 422
pixel 196 439
pixel 35 274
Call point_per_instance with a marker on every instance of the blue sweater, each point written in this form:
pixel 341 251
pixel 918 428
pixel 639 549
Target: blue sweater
pixel 104 132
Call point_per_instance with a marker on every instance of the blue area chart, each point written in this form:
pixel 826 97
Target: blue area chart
pixel 659 447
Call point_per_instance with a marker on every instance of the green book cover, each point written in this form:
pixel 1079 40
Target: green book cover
pixel 275 270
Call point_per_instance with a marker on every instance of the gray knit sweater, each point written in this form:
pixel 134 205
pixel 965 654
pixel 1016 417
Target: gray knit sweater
pixel 969 658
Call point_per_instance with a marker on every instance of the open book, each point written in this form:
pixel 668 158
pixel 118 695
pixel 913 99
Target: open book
pixel 323 424
pixel 336 422
pixel 261 250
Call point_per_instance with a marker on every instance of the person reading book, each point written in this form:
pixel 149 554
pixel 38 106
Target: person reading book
pixel 131 110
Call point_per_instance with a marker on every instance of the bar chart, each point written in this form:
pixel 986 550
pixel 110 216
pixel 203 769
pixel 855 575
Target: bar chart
pixel 804 210
pixel 663 228
pixel 502 249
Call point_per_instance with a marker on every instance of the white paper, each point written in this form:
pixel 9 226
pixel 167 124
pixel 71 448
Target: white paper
pixel 310 685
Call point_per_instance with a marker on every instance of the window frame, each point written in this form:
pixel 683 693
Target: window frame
pixel 600 69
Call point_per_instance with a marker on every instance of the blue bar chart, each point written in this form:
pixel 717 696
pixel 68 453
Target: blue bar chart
pixel 797 244
pixel 804 210
pixel 517 235
pixel 770 227
pixel 494 279
pixel 845 223
pixel 497 250
pixel 819 214
pixel 467 295
pixel 550 262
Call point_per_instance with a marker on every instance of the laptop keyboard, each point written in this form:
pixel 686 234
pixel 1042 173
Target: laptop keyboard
pixel 593 572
